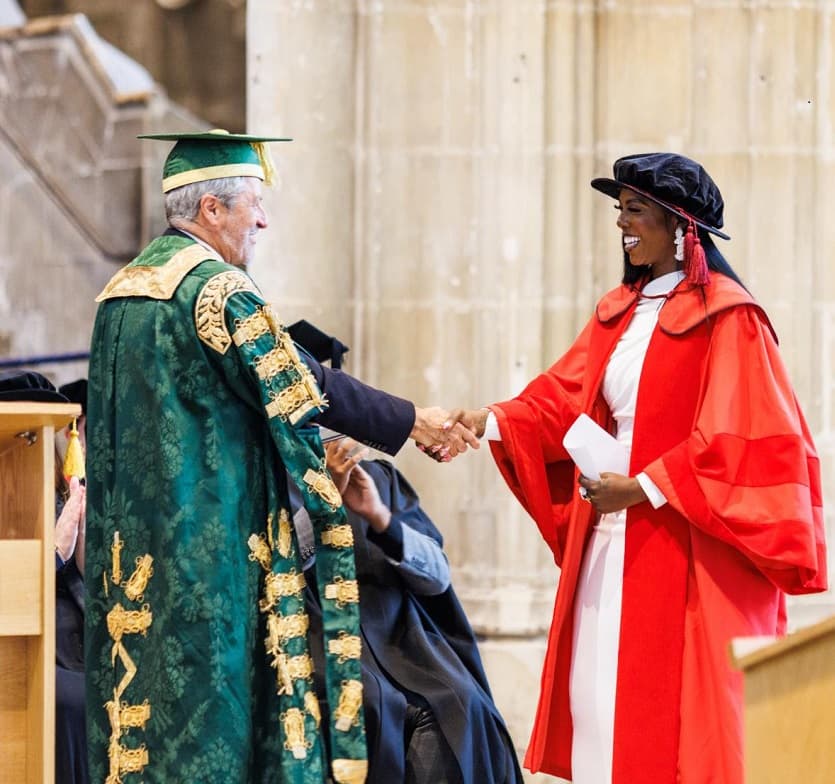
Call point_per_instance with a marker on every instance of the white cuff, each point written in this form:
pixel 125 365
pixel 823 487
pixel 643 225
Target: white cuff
pixel 655 496
pixel 491 428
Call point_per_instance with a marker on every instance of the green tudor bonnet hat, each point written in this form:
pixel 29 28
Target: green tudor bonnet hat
pixel 197 157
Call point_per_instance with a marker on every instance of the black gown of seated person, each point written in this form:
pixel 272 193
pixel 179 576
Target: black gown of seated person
pixel 416 645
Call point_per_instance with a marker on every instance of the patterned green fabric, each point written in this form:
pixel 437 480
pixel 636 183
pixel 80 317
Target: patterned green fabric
pixel 196 654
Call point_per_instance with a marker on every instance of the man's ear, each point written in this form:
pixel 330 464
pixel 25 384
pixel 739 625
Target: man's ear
pixel 210 207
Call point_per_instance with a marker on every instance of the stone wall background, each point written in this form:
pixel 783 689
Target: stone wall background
pixel 435 214
pixel 435 211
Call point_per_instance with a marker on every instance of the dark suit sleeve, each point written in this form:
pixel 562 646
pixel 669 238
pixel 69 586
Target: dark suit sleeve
pixel 371 416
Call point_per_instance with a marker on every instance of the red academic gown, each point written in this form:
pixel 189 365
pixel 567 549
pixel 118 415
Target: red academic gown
pixel 719 431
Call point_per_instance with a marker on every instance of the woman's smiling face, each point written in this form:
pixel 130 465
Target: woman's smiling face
pixel 648 233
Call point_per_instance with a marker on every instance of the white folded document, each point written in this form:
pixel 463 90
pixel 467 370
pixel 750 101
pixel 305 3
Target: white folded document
pixel 593 450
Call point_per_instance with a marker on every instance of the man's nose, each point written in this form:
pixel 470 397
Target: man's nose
pixel 261 218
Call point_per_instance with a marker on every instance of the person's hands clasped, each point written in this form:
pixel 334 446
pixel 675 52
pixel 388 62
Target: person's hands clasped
pixel 440 435
pixel 359 493
pixel 71 521
pixel 612 492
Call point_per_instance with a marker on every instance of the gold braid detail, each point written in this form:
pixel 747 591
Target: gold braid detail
pixel 291 403
pixel 260 551
pixel 138 581
pixel 348 771
pixel 115 552
pixel 250 328
pixel 311 705
pixel 285 534
pixel 343 591
pixel 350 702
pixel 346 646
pixel 277 585
pixel 293 721
pixel 209 318
pixel 135 715
pixel 321 483
pixel 269 365
pixel 338 536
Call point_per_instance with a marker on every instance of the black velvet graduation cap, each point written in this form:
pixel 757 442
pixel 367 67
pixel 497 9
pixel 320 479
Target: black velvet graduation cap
pixel 321 346
pixel 76 392
pixel 28 385
pixel 672 181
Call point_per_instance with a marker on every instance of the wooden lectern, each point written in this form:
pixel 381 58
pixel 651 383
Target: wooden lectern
pixel 27 589
pixel 790 707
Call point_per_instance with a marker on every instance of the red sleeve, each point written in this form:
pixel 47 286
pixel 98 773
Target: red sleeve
pixel 748 474
pixel 530 455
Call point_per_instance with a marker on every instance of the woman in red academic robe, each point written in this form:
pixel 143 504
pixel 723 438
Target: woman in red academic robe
pixel 719 517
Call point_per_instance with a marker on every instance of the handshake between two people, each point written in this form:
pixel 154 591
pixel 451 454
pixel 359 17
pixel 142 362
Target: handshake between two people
pixel 443 434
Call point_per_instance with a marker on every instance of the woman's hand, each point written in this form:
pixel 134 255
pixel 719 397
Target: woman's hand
pixel 613 492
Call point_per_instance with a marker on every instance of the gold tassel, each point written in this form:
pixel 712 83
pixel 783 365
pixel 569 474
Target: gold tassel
pixel 74 459
pixel 266 161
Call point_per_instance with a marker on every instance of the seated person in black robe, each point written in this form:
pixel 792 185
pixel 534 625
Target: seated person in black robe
pixel 430 717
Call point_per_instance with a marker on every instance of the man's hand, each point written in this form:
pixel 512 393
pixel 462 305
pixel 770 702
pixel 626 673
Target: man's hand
pixel 613 492
pixel 341 457
pixel 359 493
pixel 440 436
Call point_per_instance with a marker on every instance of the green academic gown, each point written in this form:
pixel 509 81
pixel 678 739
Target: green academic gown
pixel 198 667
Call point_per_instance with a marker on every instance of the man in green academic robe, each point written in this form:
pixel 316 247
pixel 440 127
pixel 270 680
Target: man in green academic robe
pixel 198 668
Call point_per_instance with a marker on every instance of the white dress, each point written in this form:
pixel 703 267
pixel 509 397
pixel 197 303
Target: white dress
pixel 594 661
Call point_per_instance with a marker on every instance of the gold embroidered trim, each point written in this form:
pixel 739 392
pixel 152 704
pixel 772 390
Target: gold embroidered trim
pixel 311 705
pixel 135 715
pixel 269 365
pixel 289 668
pixel 132 760
pixel 278 585
pixel 347 646
pixel 343 591
pixel 284 683
pixel 285 534
pixel 348 771
pixel 209 308
pixel 251 328
pixel 338 536
pixel 300 667
pixel 291 403
pixel 157 282
pixel 293 721
pixel 115 553
pixel 260 551
pixel 350 702
pixel 138 581
pixel 321 484
pixel 121 621
pixel 289 626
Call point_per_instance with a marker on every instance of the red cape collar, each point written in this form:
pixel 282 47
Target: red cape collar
pixel 686 308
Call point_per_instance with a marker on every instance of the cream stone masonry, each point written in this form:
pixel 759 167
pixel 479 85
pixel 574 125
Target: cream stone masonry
pixel 77 197
pixel 435 213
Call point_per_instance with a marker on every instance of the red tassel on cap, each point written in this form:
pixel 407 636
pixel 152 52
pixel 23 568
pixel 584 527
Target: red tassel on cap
pixel 695 263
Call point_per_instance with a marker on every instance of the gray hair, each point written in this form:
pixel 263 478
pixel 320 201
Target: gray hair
pixel 184 203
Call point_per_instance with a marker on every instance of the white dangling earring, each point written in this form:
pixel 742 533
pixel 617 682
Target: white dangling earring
pixel 679 243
